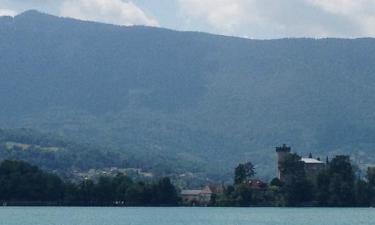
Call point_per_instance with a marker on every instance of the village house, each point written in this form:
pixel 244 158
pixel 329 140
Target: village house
pixel 256 184
pixel 201 197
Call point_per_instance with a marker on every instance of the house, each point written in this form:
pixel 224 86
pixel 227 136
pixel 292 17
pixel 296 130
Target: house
pixel 201 197
pixel 191 197
pixel 256 184
pixel 196 197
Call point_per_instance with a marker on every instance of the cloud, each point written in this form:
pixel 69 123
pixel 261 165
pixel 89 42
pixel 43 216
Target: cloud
pixel 283 18
pixel 360 12
pixel 7 12
pixel 107 11
pixel 223 15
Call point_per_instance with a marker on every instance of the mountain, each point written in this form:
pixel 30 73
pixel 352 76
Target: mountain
pixel 188 100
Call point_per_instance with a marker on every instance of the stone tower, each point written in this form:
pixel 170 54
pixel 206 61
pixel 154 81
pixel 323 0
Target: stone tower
pixel 281 152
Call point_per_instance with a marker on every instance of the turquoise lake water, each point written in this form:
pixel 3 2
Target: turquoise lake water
pixel 185 216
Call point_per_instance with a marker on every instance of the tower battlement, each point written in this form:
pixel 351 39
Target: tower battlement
pixel 283 148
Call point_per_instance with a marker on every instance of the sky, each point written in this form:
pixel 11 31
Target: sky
pixel 257 19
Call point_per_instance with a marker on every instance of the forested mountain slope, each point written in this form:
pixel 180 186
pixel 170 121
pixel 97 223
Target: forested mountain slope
pixel 204 102
pixel 54 152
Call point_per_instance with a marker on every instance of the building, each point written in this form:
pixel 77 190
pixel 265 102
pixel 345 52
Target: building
pixel 256 184
pixel 312 166
pixel 201 197
pixel 281 152
pixel 192 197
pixel 196 197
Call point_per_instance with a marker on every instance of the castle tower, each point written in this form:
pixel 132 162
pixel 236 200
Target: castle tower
pixel 281 152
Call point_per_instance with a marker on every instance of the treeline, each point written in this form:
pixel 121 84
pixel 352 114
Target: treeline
pixel 339 184
pixel 22 183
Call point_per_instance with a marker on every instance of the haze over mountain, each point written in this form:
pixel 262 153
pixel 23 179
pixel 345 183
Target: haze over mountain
pixel 190 100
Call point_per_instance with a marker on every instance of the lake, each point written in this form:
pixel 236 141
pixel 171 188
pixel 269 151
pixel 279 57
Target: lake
pixel 185 216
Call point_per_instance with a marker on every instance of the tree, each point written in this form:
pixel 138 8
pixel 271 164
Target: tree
pixel 229 196
pixel 342 181
pixel 166 192
pixel 371 176
pixel 121 183
pixel 243 173
pixel 322 188
pixel 371 183
pixel 86 192
pixel 244 195
pixel 276 182
pixel 105 190
pixel 20 181
pixel 362 193
pixel 297 189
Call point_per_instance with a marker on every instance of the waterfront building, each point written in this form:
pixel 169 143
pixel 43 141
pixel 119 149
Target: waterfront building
pixel 312 166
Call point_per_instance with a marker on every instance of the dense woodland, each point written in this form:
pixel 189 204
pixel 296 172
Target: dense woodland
pixel 24 184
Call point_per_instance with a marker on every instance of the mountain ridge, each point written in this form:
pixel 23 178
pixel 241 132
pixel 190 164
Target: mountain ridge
pixel 36 13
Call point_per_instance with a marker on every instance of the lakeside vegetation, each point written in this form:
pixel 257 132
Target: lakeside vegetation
pixel 24 184
pixel 338 185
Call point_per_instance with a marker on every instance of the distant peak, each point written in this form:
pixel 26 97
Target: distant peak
pixel 32 13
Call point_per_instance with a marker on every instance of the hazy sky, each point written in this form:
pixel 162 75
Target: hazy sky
pixel 262 19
